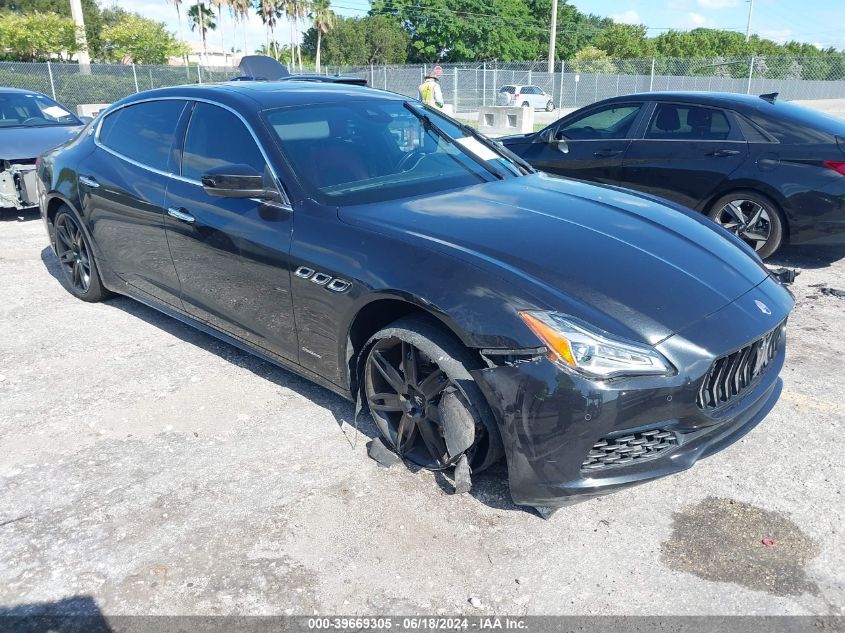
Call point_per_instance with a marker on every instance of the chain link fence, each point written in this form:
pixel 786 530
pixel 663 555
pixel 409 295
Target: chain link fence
pixel 72 84
pixel 469 86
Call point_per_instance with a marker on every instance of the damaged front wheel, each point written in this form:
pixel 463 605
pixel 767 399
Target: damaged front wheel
pixel 423 399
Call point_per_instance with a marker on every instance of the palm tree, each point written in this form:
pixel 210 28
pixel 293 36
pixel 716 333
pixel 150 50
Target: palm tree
pixel 294 10
pixel 218 4
pixel 177 4
pixel 269 12
pixel 202 18
pixel 324 20
pixel 241 8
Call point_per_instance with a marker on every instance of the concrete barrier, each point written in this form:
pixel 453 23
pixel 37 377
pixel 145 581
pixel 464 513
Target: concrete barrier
pixel 502 120
pixel 91 109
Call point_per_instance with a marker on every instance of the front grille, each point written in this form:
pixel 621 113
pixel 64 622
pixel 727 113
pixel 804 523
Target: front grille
pixel 729 376
pixel 624 449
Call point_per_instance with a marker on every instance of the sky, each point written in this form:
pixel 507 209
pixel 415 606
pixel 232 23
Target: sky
pixel 820 22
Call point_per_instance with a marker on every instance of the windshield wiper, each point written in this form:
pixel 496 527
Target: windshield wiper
pixel 492 145
pixel 428 124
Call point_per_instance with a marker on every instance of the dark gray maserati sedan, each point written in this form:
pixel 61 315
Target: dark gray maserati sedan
pixel 596 337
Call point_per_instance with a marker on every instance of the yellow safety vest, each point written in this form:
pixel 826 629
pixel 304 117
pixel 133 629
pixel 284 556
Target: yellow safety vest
pixel 426 91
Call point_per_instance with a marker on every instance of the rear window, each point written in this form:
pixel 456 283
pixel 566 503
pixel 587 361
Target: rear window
pixel 143 132
pixel 790 123
pixel 507 89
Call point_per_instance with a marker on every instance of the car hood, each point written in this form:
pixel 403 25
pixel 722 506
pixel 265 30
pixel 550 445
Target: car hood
pixel 29 142
pixel 622 261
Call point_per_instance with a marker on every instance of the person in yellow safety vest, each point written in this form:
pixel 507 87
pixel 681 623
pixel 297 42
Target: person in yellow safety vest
pixel 429 91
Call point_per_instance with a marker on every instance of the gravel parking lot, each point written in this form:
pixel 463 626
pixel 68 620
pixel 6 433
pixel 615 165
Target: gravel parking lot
pixel 147 468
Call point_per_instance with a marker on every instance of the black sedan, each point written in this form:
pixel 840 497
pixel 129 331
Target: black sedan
pixel 769 171
pixel 30 123
pixel 596 337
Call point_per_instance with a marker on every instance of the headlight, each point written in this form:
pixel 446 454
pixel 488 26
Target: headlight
pixel 593 354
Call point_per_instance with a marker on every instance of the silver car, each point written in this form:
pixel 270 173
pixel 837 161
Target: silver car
pixel 30 124
pixel 525 96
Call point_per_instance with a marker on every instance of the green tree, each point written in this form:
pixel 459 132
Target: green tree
pixel 37 36
pixel 324 20
pixel 624 41
pixel 593 61
pixel 467 30
pixel 270 11
pixel 374 39
pixel 140 40
pixel 201 18
pixel 240 10
pixel 90 11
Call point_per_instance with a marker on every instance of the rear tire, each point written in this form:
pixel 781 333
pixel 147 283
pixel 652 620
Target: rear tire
pixel 753 218
pixel 76 258
pixel 525 104
pixel 405 406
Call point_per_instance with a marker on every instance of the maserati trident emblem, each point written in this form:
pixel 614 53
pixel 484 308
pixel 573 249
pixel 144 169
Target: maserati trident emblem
pixel 763 307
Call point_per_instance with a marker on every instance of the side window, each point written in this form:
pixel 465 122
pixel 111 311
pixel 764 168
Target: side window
pixel 143 132
pixel 217 137
pixel 688 122
pixel 751 132
pixel 613 122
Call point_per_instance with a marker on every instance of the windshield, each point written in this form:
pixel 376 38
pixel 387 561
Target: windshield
pixel 22 109
pixel 370 151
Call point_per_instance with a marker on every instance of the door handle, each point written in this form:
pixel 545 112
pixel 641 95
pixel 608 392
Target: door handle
pixel 181 215
pixel 721 153
pixel 607 153
pixel 88 181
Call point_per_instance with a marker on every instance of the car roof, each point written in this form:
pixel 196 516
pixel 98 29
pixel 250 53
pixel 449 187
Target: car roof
pixel 268 94
pixel 705 98
pixel 750 105
pixel 23 91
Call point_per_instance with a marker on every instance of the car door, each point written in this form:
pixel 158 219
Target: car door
pixel 231 254
pixel 122 186
pixel 685 154
pixel 588 145
pixel 538 98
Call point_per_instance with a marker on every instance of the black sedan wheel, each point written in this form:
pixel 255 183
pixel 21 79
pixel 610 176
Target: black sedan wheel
pixel 76 259
pixel 752 218
pixel 410 368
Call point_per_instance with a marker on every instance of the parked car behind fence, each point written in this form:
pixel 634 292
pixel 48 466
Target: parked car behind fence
pixel 526 96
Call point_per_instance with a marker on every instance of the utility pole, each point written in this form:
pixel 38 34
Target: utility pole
pixel 81 40
pixel 553 37
pixel 748 26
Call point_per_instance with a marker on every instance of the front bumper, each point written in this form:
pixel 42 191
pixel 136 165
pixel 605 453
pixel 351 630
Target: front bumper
pixel 550 419
pixel 17 185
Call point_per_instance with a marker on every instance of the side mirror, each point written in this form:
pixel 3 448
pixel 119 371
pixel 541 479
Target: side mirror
pixel 549 137
pixel 237 181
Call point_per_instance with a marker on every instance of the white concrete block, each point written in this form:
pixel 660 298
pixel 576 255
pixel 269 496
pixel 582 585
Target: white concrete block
pixel 91 109
pixel 502 120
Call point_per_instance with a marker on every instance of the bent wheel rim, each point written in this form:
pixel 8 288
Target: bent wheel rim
pixel 403 387
pixel 748 220
pixel 73 254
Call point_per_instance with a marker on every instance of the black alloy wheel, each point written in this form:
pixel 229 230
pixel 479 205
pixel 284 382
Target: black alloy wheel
pixel 76 259
pixel 404 385
pixel 73 253
pixel 752 218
